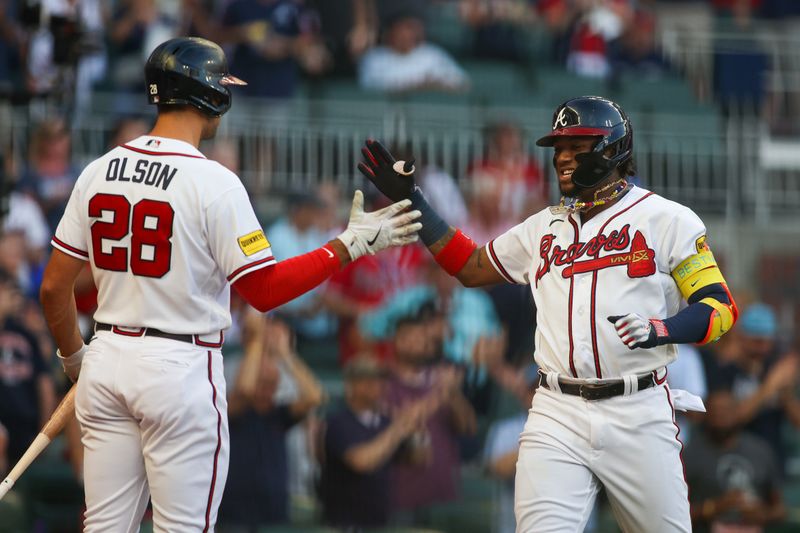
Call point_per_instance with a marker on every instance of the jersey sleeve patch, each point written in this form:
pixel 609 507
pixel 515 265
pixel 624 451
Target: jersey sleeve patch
pixel 253 242
pixel 702 245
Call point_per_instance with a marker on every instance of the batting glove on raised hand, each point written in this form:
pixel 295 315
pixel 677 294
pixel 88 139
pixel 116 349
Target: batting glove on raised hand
pixel 638 332
pixel 72 363
pixel 368 233
pixel 395 179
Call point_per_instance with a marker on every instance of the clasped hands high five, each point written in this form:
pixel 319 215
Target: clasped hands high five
pixel 370 232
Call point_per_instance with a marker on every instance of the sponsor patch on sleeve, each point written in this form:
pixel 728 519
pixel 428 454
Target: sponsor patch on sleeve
pixel 702 245
pixel 253 242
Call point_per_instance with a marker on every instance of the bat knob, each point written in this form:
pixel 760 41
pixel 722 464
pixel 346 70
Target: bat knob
pixel 5 486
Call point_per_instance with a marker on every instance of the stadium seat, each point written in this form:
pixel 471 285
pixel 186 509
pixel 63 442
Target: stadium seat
pixel 444 27
pixel 12 514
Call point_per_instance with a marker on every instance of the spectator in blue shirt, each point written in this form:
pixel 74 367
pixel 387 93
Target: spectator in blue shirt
pixel 359 445
pixel 296 233
pixel 468 316
pixel 256 492
pixel 274 38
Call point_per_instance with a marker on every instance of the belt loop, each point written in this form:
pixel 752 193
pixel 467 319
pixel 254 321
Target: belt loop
pixel 552 381
pixel 631 384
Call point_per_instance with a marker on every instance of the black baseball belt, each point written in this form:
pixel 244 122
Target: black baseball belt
pixel 598 391
pixel 153 332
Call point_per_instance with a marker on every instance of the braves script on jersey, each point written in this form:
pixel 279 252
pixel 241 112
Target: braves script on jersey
pixel 619 261
pixel 166 231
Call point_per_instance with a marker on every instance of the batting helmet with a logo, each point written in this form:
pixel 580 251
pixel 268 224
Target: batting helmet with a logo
pixel 190 71
pixel 593 116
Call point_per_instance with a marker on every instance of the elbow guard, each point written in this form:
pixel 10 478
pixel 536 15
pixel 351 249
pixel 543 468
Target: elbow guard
pixel 722 319
pixel 700 281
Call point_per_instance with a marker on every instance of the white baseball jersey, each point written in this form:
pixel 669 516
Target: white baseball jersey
pixel 165 230
pixel 618 262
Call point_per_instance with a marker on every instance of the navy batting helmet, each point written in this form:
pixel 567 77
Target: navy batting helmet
pixel 593 116
pixel 190 71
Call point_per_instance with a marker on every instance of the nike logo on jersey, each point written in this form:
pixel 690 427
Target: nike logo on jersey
pixel 153 173
pixel 555 220
pixel 695 282
pixel 375 238
pixel 330 254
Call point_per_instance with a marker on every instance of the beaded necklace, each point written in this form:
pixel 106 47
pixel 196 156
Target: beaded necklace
pixel 574 205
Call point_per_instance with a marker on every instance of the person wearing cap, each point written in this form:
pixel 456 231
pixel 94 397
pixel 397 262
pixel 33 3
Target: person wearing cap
pixel 763 377
pixel 359 444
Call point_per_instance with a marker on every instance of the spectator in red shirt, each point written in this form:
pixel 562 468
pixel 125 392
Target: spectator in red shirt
pixel 506 185
pixel 599 24
pixel 365 284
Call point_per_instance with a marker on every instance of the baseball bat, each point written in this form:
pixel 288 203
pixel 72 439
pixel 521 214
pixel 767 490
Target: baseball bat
pixel 53 427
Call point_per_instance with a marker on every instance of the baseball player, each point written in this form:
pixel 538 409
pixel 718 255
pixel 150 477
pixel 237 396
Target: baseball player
pixel 619 276
pixel 166 231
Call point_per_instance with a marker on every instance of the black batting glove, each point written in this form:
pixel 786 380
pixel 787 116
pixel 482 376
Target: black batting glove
pixel 395 179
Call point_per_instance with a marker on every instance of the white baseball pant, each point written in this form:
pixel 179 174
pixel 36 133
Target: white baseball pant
pixel 153 416
pixel 629 444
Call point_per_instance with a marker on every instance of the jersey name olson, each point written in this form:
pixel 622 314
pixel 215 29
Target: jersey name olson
pixel 143 171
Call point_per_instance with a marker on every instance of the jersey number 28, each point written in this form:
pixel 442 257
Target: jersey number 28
pixel 150 228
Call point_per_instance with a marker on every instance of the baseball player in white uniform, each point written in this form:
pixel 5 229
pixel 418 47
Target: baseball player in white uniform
pixel 619 276
pixel 166 232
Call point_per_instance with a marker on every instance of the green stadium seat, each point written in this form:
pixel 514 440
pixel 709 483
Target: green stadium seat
pixel 53 496
pixel 12 514
pixel 445 28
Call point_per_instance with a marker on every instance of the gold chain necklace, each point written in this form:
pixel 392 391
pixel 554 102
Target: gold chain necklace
pixel 575 205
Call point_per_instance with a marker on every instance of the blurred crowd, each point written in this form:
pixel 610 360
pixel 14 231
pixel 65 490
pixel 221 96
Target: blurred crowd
pixel 68 48
pixel 371 395
pixel 365 400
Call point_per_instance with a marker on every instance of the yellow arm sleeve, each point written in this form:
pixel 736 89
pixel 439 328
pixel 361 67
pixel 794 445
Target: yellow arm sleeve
pixel 698 272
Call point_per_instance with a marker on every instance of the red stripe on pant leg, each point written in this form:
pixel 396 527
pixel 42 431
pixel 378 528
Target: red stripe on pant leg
pixel 677 438
pixel 216 452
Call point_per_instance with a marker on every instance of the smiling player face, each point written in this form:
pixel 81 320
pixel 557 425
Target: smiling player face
pixel 564 163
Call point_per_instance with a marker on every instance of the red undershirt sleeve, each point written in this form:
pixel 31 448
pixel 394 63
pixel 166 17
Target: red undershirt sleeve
pixel 274 285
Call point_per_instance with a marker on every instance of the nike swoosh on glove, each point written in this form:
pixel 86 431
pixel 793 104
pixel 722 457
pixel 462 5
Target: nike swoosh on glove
pixel 395 179
pixel 372 232
pixel 638 332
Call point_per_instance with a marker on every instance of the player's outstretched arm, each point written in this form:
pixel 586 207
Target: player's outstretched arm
pixel 366 233
pixel 454 251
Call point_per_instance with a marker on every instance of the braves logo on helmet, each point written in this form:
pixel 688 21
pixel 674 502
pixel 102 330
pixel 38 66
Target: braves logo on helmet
pixel 565 117
pixel 593 116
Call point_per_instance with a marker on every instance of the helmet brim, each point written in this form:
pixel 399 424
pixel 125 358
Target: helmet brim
pixel 572 131
pixel 231 80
